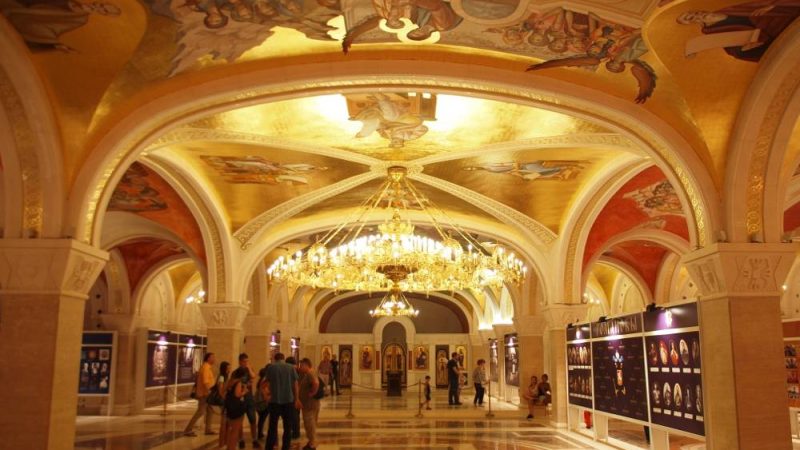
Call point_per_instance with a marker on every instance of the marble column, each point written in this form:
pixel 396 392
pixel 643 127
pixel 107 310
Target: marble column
pixel 125 369
pixel 557 317
pixel 224 325
pixel 256 343
pixel 741 343
pixel 44 285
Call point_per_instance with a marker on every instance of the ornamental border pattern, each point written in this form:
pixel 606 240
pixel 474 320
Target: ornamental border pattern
pixel 214 232
pixel 24 137
pixel 765 139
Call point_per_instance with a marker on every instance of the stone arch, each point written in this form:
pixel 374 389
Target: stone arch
pixel 138 293
pixel 753 206
pixel 125 141
pixel 30 144
pixel 631 274
pixel 584 214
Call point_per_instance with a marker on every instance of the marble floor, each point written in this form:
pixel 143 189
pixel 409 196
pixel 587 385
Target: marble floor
pixel 379 422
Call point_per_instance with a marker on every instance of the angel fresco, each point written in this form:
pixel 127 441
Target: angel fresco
pixel 657 199
pixel 257 170
pixel 226 29
pixel 134 192
pixel 41 23
pixel 428 15
pixel 393 116
pixel 745 31
pixel 534 170
pixel 618 46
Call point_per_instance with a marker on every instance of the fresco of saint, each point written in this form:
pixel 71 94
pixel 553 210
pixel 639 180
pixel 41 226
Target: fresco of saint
pixel 534 170
pixel 657 199
pixel 745 31
pixel 257 170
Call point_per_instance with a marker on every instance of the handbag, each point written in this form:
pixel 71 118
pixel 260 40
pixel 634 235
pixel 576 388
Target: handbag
pixel 214 398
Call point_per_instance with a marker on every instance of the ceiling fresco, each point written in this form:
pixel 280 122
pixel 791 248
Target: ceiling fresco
pixel 647 201
pixel 643 256
pixel 540 183
pixel 142 192
pixel 392 127
pixel 251 179
pixel 142 254
pixel 101 59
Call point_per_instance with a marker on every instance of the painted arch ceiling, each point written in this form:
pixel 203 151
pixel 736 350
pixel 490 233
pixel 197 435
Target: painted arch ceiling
pixel 102 59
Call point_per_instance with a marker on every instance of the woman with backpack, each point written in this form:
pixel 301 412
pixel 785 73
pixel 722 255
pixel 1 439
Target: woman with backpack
pixel 263 395
pixel 235 408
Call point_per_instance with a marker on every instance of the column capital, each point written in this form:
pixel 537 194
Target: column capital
pixel 49 266
pixel 740 269
pixel 530 325
pixel 558 316
pixel 224 315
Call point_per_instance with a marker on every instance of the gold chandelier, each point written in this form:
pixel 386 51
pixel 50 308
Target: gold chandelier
pixel 348 258
pixel 394 304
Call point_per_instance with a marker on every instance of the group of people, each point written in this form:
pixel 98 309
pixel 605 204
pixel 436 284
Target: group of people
pixel 537 393
pixel 282 390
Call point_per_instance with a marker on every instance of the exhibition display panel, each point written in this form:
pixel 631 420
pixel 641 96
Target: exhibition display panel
pixel 672 338
pixel 579 366
pixel 172 358
pixel 96 364
pixel 645 368
pixel 618 367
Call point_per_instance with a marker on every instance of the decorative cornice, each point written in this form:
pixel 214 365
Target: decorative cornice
pixel 49 267
pixel 740 270
pixel 541 234
pixel 224 315
pixel 294 206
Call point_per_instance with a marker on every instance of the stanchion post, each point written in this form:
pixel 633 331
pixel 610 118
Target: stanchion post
pixel 166 395
pixel 350 407
pixel 490 414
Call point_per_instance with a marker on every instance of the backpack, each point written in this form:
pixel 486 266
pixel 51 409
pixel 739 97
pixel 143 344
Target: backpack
pixel 235 407
pixel 321 390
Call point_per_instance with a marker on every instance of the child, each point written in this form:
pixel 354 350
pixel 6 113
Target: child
pixel 427 384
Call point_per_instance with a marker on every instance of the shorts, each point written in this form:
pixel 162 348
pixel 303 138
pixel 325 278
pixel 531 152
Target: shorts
pixel 428 397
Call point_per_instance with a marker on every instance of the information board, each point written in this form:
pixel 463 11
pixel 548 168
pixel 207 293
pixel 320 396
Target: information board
pixel 619 377
pixel 579 366
pixel 95 364
pixel 672 339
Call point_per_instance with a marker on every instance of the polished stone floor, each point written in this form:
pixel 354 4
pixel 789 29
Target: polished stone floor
pixel 379 422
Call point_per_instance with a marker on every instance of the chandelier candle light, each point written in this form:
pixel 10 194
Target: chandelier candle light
pixel 397 259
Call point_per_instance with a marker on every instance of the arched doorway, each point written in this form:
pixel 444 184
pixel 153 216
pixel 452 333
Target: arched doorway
pixel 393 346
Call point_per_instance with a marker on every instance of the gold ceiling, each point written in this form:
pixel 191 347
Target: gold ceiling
pixel 384 126
pixel 120 54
